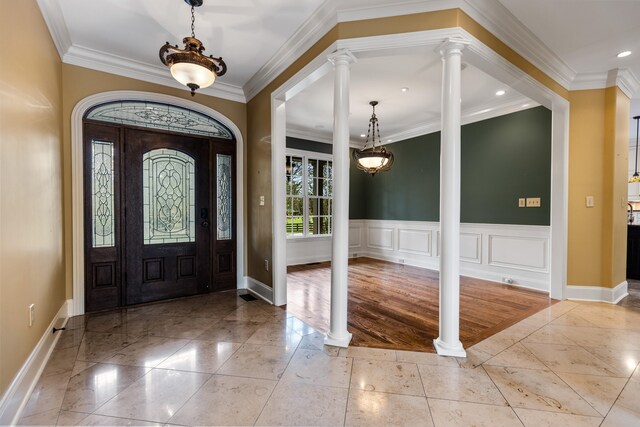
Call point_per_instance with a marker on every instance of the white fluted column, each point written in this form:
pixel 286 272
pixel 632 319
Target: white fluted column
pixel 448 342
pixel 338 334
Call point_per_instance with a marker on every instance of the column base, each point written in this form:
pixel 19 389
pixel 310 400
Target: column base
pixel 338 341
pixel 448 350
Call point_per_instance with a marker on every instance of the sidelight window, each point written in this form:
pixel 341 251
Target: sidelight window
pixel 102 194
pixel 309 195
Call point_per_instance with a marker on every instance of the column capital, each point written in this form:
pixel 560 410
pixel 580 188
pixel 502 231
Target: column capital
pixel 342 55
pixel 453 46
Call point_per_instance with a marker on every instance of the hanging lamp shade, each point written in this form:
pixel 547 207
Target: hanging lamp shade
pixel 373 159
pixel 636 176
pixel 190 66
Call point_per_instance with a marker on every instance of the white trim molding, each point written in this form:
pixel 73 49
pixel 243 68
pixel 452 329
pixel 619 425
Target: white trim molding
pixel 260 290
pixel 16 396
pixel 77 197
pixel 598 293
pixel 517 255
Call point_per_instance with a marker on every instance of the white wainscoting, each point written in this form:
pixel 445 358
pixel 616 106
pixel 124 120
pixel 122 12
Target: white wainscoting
pixel 497 252
pixel 309 249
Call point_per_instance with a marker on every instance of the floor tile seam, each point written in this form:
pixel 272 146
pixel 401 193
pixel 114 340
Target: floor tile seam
pixel 39 379
pixel 433 422
pixel 266 402
pixel 121 418
pixel 599 359
pixel 563 381
pixel 496 386
pixel 188 400
pixel 471 401
pixel 346 408
pixel 616 399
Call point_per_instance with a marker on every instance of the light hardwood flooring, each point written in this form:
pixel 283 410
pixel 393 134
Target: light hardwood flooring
pixel 395 306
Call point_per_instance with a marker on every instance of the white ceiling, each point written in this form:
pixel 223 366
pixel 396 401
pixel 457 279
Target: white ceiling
pixel 575 41
pixel 373 79
pixel 246 33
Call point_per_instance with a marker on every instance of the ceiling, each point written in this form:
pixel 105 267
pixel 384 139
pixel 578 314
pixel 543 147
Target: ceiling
pixel 418 109
pixel 575 39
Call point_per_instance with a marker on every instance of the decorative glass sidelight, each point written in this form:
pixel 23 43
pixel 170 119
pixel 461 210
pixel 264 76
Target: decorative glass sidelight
pixel 168 197
pixel 155 115
pixel 224 189
pixel 102 194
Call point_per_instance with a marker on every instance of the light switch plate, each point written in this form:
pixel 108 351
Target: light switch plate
pixel 522 202
pixel 589 202
pixel 533 202
pixel 261 200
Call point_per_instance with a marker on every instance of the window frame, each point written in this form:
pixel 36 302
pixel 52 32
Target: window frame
pixel 306 156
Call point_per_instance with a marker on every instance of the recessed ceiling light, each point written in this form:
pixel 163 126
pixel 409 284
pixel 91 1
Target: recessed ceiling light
pixel 624 53
pixel 404 89
pixel 500 93
pixel 362 135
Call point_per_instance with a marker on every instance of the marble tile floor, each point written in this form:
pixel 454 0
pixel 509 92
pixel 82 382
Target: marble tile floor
pixel 219 360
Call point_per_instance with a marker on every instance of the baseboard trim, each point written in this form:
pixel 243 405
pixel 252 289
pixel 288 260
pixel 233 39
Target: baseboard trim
pixel 16 396
pixel 260 290
pixel 598 293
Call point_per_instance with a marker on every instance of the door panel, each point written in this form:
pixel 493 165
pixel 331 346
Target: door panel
pixel 224 185
pixel 167 246
pixel 101 150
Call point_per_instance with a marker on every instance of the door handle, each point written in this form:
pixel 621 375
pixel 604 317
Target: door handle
pixel 204 214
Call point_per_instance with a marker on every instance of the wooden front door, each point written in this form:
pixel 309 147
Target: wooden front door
pixel 159 215
pixel 167 225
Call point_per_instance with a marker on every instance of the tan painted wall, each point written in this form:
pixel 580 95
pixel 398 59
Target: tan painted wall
pixel 598 161
pixel 586 171
pixel 259 112
pixel 78 83
pixel 31 255
pixel 618 110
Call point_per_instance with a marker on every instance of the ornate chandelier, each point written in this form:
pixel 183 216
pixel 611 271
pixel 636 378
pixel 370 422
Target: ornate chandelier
pixel 636 175
pixel 189 66
pixel 373 159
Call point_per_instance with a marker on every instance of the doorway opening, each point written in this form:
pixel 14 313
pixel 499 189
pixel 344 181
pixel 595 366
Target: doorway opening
pixel 159 204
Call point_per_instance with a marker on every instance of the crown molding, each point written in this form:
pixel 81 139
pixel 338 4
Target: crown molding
pixel 625 79
pixel 309 135
pixel 314 28
pixel 121 66
pixel 588 81
pixel 476 114
pixel 395 9
pixel 53 17
pixel 497 19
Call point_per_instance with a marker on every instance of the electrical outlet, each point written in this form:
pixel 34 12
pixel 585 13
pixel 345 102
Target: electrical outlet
pixel 261 202
pixel 522 202
pixel 266 265
pixel 32 314
pixel 533 202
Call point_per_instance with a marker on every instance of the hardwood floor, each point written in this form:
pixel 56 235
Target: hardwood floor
pixel 395 306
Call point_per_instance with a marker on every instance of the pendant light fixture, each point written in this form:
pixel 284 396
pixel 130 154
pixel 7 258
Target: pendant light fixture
pixel 636 175
pixel 373 159
pixel 189 66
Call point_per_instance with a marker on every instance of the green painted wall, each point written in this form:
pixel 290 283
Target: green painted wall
pixel 503 159
pixel 306 145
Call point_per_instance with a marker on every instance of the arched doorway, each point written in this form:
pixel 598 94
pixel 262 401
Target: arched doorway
pixel 155 211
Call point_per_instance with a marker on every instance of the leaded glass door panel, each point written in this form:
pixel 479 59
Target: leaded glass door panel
pixel 103 285
pixel 167 219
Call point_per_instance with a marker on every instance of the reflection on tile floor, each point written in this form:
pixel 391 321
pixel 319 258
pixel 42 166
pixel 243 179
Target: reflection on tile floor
pixel 219 360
